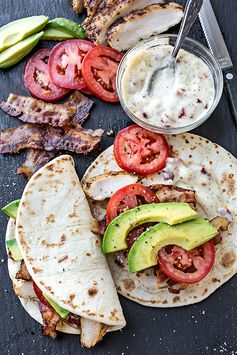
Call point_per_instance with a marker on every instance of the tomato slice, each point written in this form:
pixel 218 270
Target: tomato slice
pixel 65 63
pixel 37 79
pixel 140 151
pixel 99 69
pixel 128 197
pixel 86 91
pixel 40 296
pixel 187 266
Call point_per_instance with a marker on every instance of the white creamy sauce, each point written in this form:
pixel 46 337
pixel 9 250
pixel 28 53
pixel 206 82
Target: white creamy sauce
pixel 179 97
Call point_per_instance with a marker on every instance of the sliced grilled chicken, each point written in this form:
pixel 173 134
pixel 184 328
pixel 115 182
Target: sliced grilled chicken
pixel 141 24
pixel 24 289
pixel 91 332
pixel 91 8
pixel 107 15
pixel 101 7
pixel 77 5
pixel 105 185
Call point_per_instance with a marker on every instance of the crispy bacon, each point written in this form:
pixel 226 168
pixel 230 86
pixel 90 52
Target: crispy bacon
pixel 44 137
pixel 35 159
pixel 31 110
pixel 79 140
pixel 170 193
pixel 12 140
pixel 23 273
pixel 50 320
pixel 74 320
pixel 83 105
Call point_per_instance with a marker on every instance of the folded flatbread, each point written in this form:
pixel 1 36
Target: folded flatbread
pixel 54 230
pixel 201 168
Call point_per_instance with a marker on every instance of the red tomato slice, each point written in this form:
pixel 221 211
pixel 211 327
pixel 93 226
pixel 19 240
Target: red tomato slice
pixel 187 266
pixel 65 63
pixel 37 79
pixel 140 151
pixel 128 197
pixel 40 296
pixel 86 91
pixel 99 69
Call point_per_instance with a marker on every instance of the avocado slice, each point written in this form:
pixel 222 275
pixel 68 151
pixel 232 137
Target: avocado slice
pixel 170 212
pixel 14 250
pixel 11 209
pixel 188 235
pixel 63 24
pixel 18 30
pixel 62 312
pixel 15 53
pixel 53 34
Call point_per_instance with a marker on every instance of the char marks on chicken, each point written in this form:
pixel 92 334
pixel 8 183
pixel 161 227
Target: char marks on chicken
pixel 108 13
pixel 154 19
pixel 23 273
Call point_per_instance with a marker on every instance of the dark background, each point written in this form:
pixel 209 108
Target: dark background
pixel 209 327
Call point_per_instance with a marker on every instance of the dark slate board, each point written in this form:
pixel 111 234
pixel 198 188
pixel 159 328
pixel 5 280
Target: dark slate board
pixel 206 328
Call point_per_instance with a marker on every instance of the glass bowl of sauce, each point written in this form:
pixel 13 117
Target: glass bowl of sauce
pixel 173 100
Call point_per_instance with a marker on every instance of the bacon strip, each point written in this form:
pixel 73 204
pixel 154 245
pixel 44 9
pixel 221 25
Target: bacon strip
pixel 12 140
pixel 23 273
pixel 83 105
pixel 50 320
pixel 31 110
pixel 171 193
pixel 44 137
pixel 35 159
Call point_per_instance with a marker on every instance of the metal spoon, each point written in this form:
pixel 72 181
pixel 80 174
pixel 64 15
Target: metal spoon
pixel 191 11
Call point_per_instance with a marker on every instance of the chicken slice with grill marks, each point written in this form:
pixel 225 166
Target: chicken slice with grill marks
pixel 141 24
pixel 77 5
pixel 102 8
pixel 106 15
pixel 91 8
pixel 91 332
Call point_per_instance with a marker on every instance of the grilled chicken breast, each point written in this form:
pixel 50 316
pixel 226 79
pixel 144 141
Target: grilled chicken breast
pixel 141 24
pixel 101 22
pixel 91 332
pixel 96 8
pixel 77 5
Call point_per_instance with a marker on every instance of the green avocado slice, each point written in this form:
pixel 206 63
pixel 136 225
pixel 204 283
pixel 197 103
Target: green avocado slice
pixel 54 34
pixel 14 250
pixel 18 30
pixel 68 26
pixel 188 235
pixel 11 209
pixel 15 53
pixel 62 312
pixel 171 212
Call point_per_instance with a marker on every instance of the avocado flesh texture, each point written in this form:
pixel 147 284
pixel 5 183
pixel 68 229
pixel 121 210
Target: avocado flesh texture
pixel 171 212
pixel 61 311
pixel 15 53
pixel 14 249
pixel 18 30
pixel 188 235
pixel 54 34
pixel 11 209
pixel 68 26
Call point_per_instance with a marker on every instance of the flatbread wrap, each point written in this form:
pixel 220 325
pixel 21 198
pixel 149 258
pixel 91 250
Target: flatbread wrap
pixel 199 173
pixel 62 262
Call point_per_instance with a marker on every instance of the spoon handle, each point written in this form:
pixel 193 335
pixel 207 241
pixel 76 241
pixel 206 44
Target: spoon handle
pixel 191 11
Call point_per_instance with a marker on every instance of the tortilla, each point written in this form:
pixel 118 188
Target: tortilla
pixel 215 187
pixel 62 254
